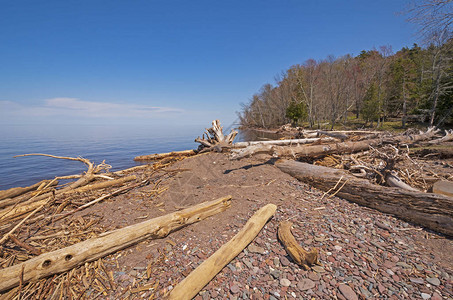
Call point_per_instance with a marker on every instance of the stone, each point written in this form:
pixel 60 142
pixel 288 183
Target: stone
pixel 284 261
pixel 425 296
pixel 285 282
pixel 433 280
pixel 305 284
pixel 256 249
pixel 235 289
pixel 314 276
pixel 347 292
pixel 417 280
pixel 276 273
pixel 436 296
pixel 318 269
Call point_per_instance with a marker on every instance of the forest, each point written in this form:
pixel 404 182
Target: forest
pixel 412 85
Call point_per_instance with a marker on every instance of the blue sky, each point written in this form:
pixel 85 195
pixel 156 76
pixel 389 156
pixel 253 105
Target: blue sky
pixel 83 62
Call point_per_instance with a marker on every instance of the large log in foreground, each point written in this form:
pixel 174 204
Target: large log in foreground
pixel 198 278
pixel 429 210
pixel 67 258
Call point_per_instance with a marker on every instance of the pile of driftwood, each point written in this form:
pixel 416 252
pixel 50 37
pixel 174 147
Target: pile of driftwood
pixel 38 239
pixel 377 170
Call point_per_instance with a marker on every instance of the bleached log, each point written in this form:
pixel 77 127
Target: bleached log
pixel 427 209
pixel 164 155
pixel 104 184
pixel 298 254
pixel 198 278
pixel 282 142
pixel 395 181
pixel 17 191
pixel 325 149
pixel 448 137
pixel 67 258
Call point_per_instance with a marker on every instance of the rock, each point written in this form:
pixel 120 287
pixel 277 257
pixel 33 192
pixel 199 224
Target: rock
pixel 417 280
pixel 235 289
pixel 276 273
pixel 284 261
pixel 318 269
pixel 436 296
pixel 425 296
pixel 305 284
pixel 347 292
pixel 256 249
pixel 338 248
pixel 403 265
pixel 285 282
pixel 433 280
pixel 314 276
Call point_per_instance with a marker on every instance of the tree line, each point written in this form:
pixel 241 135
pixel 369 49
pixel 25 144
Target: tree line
pixel 376 85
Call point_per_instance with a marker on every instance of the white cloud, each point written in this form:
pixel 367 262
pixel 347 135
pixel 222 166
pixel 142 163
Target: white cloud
pixel 76 108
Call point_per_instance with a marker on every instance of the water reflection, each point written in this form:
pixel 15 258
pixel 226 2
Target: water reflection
pixel 246 135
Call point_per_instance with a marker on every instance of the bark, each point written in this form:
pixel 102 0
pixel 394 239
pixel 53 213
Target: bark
pixel 298 254
pixel 17 191
pixel 67 258
pixel 164 155
pixel 198 278
pixel 430 210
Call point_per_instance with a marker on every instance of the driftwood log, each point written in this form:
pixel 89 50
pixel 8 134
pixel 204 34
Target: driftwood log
pixel 325 149
pixel 17 191
pixel 164 155
pixel 429 210
pixel 215 139
pixel 282 142
pixel 198 278
pixel 298 254
pixel 67 258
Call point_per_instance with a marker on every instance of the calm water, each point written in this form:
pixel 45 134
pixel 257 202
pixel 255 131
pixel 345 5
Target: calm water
pixel 115 144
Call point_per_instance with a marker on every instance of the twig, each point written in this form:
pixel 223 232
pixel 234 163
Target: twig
pixel 338 182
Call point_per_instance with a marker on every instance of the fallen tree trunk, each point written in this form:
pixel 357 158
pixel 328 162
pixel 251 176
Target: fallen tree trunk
pixel 164 155
pixel 448 137
pixel 430 210
pixel 17 191
pixel 282 142
pixel 298 254
pixel 320 150
pixel 104 184
pixel 198 278
pixel 67 258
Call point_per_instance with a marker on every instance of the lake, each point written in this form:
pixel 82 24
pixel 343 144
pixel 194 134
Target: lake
pixel 117 145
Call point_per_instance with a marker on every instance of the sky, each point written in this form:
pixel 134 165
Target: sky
pixel 161 62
